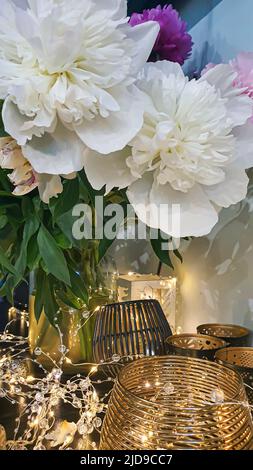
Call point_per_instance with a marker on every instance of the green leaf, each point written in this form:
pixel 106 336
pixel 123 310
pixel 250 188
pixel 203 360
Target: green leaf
pixel 44 267
pixel 62 241
pixel 104 246
pixel 53 256
pixel 78 286
pixel 50 305
pixel 115 198
pixel 3 221
pixel 65 223
pixel 14 213
pixel 39 294
pixel 30 228
pixel 86 190
pixel 2 130
pixel 27 207
pixel 7 289
pixel 178 255
pixel 5 183
pixel 45 297
pixel 37 204
pixel 4 261
pixel 68 299
pixel 163 255
pixel 4 193
pixel 68 199
pixel 33 255
pixel 8 236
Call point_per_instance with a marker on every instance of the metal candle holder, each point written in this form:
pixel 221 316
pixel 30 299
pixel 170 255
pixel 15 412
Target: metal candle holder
pixel 235 335
pixel 194 345
pixel 241 359
pixel 175 403
pixel 127 329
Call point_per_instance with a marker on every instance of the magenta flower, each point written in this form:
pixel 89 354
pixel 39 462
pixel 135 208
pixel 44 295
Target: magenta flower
pixel 173 42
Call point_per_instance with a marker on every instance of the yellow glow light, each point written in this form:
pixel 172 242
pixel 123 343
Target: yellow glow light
pixel 30 378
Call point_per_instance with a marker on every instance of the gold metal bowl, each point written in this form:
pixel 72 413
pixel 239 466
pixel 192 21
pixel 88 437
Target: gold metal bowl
pixel 241 359
pixel 174 402
pixel 195 345
pixel 235 335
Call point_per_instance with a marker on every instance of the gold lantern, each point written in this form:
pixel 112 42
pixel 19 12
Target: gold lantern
pixel 174 402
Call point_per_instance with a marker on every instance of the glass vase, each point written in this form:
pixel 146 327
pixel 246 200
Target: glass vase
pixel 69 344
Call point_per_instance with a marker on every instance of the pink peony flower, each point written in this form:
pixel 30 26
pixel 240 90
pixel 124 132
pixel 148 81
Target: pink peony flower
pixel 207 68
pixel 173 42
pixel 243 65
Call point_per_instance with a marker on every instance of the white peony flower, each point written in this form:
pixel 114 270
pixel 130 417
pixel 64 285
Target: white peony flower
pixel 191 153
pixel 67 73
pixel 24 177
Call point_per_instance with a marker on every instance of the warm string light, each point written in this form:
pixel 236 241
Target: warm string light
pixel 38 397
pixel 42 397
pixel 172 404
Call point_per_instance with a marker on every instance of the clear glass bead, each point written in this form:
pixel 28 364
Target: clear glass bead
pixel 169 388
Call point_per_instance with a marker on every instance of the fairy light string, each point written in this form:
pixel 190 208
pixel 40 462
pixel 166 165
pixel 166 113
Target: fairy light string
pixel 37 397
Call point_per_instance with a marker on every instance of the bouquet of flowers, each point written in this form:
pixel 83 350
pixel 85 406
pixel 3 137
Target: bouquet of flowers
pixel 95 104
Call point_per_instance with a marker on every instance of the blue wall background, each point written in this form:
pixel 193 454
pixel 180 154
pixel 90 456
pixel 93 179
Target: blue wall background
pixel 191 10
pixel 221 34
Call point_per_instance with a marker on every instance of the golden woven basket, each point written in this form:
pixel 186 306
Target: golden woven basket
pixel 173 402
pixel 200 346
pixel 241 359
pixel 235 335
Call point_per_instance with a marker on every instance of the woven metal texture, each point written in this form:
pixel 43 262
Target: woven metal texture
pixel 167 403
